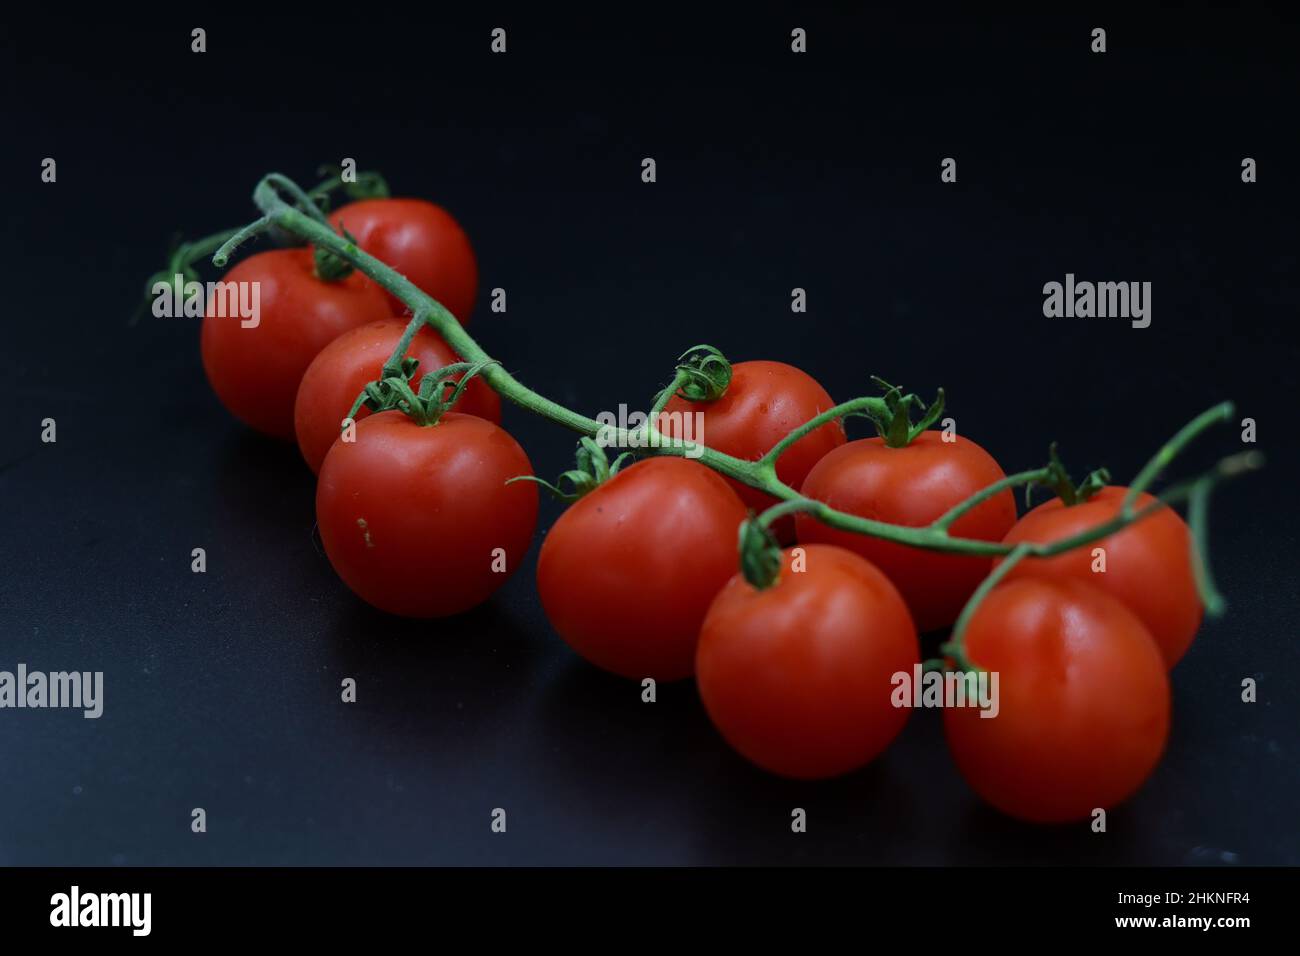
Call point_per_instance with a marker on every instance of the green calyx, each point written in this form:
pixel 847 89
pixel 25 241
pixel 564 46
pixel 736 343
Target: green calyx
pixel 760 554
pixel 894 422
pixel 332 268
pixel 704 374
pixel 1058 479
pixel 439 390
pixel 593 469
pixel 367 185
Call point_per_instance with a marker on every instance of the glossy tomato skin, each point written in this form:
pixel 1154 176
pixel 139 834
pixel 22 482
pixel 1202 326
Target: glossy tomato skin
pixel 1148 564
pixel 798 677
pixel 337 375
pixel 410 515
pixel 421 241
pixel 1083 702
pixel 764 402
pixel 627 573
pixel 913 486
pixel 255 370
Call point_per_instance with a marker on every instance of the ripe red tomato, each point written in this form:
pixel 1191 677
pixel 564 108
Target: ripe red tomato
pixel 1083 701
pixel 412 516
pixel 913 486
pixel 422 242
pixel 255 369
pixel 1148 564
pixel 338 374
pixel 764 402
pixel 798 676
pixel 626 574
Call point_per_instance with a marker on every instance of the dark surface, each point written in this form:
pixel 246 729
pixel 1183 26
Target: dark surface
pixel 821 171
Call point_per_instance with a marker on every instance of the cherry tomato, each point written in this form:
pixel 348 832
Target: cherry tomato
pixel 338 374
pixel 626 574
pixel 913 486
pixel 418 520
pixel 422 242
pixel 798 676
pixel 764 402
pixel 1083 702
pixel 255 369
pixel 1148 565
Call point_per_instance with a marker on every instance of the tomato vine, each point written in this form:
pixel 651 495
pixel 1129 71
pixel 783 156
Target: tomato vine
pixel 703 372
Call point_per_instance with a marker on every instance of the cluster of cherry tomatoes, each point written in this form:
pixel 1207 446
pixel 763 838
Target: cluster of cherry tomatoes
pixel 419 516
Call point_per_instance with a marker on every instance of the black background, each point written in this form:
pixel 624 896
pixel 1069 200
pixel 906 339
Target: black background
pixel 774 171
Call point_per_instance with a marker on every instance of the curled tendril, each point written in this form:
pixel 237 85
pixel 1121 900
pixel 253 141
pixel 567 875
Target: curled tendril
pixel 707 374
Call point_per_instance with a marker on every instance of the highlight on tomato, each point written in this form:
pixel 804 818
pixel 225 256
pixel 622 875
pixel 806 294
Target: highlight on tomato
pixel 1147 566
pixel 337 375
pixel 911 476
pixel 420 240
pixel 1084 701
pixel 798 675
pixel 628 571
pixel 756 406
pixel 255 364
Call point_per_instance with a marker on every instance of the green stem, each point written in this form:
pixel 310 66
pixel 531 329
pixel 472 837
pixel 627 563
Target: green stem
pixel 956 646
pixel 757 474
pixel 1172 448
pixel 393 365
pixel 666 395
pixel 1197 516
pixel 792 506
pixel 304 200
pixel 945 521
pixel 188 253
pixel 869 406
pixel 255 228
pixel 650 431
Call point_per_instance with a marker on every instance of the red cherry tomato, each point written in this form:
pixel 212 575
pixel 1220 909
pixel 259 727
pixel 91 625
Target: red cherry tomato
pixel 798 676
pixel 422 242
pixel 764 402
pixel 338 374
pixel 412 516
pixel 255 369
pixel 1148 565
pixel 626 574
pixel 913 486
pixel 1083 702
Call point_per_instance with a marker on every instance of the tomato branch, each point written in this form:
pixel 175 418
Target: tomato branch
pixel 695 373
